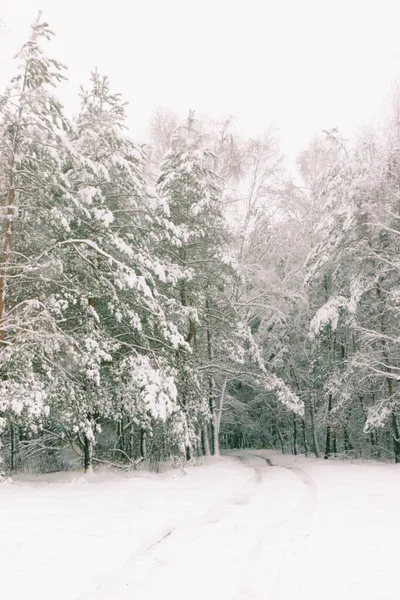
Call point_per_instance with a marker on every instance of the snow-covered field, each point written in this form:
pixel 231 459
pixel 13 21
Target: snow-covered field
pixel 237 528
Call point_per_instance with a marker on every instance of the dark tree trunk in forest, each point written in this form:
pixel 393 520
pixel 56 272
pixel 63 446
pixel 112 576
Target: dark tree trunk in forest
pixel 211 397
pixel 328 442
pixel 294 435
pixel 313 428
pixel 282 441
pixel 305 442
pixel 347 442
pixel 303 421
pixel 205 443
pixel 396 438
pixel 14 447
pixel 328 448
pixel 207 450
pixel 132 442
pixel 375 452
pixel 88 454
pixel 143 446
pixel 189 339
pixel 121 435
pixel 334 440
pixel 389 379
pixel 214 445
pixel 348 446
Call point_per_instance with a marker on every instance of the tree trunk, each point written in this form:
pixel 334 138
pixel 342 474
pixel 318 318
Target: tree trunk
pixel 372 440
pixel 215 437
pixel 205 442
pixel 303 421
pixel 313 428
pixel 305 442
pixel 373 436
pixel 328 448
pixel 281 441
pixel 132 442
pixel 211 399
pixel 213 430
pixel 396 438
pixel 5 258
pixel 121 435
pixel 88 454
pixel 14 447
pixel 207 449
pixel 334 440
pixel 143 445
pixel 347 442
pixel 294 435
pixel 221 403
pixel 389 380
pixel 188 452
pixel 216 414
pixel 328 442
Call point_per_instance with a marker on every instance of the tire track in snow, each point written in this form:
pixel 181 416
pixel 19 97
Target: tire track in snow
pixel 211 516
pixel 148 571
pixel 289 579
pixel 216 512
pixel 253 586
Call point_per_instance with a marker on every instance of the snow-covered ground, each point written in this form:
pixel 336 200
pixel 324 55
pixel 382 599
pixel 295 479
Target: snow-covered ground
pixel 253 525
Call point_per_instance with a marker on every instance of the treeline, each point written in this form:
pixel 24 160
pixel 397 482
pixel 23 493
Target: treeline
pixel 119 320
pixel 157 301
pixel 329 324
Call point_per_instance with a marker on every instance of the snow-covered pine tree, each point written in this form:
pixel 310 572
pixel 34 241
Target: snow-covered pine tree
pixel 35 208
pixel 191 190
pixel 120 318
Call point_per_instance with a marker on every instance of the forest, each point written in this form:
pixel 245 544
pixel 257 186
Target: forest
pixel 162 301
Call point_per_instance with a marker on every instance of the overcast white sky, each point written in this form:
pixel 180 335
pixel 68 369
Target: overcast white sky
pixel 306 65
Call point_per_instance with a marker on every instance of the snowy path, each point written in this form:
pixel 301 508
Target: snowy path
pixel 213 554
pixel 254 526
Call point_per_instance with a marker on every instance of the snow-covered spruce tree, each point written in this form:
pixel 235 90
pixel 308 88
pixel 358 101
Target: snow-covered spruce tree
pixel 79 265
pixel 35 208
pixel 191 190
pixel 119 319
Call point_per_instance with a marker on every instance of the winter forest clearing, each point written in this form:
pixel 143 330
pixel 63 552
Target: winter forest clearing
pixel 235 529
pixel 168 301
